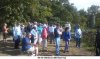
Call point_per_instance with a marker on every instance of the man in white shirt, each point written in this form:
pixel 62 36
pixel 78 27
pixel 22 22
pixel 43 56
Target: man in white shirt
pixel 78 36
pixel 34 39
pixel 17 34
pixel 51 33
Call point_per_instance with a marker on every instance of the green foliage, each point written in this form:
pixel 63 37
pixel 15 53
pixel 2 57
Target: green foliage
pixel 92 12
pixel 89 39
pixel 44 10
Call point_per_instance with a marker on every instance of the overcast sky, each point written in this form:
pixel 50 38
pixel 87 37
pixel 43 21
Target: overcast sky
pixel 80 4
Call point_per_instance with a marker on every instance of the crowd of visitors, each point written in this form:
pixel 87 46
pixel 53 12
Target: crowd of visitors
pixel 34 34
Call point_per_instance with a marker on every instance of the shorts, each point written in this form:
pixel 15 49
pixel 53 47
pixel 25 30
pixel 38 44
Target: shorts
pixel 5 35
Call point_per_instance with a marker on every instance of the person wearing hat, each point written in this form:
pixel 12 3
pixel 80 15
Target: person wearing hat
pixel 28 46
pixel 34 39
pixel 34 33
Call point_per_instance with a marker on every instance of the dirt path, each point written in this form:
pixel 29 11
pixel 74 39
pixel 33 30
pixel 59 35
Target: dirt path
pixel 73 51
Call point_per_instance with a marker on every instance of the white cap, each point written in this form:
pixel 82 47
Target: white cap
pixel 44 25
pixel 35 26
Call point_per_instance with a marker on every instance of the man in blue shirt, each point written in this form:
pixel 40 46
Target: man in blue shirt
pixel 26 43
pixel 28 46
pixel 57 33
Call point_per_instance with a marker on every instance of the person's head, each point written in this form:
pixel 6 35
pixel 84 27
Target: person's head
pixel 29 23
pixel 50 25
pixel 17 24
pixel 34 27
pixel 29 35
pixel 58 25
pixel 35 23
pixel 66 29
pixel 5 24
pixel 44 26
pixel 67 22
pixel 39 24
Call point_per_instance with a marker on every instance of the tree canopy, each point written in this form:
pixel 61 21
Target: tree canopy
pixel 44 10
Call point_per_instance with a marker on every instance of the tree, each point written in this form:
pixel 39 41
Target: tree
pixel 83 18
pixel 92 11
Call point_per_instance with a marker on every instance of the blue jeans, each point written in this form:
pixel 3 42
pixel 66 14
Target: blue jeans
pixel 78 41
pixel 51 37
pixel 57 41
pixel 66 45
pixel 17 42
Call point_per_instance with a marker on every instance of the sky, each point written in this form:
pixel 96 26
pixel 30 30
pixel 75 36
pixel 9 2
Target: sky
pixel 84 4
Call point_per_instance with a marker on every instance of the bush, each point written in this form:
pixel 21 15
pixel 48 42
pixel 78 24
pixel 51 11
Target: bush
pixel 89 39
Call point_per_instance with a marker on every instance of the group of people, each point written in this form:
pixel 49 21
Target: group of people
pixel 34 34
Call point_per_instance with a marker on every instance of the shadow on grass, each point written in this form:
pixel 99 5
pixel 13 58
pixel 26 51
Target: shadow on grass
pixel 8 48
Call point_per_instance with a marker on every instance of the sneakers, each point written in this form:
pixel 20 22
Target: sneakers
pixel 33 55
pixel 77 46
pixel 66 51
pixel 57 54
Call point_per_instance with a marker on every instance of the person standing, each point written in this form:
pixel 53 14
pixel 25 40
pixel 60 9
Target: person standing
pixel 34 39
pixel 28 27
pixel 44 37
pixel 5 32
pixel 17 33
pixel 78 35
pixel 39 28
pixel 51 33
pixel 97 42
pixel 34 33
pixel 57 33
pixel 69 26
pixel 66 37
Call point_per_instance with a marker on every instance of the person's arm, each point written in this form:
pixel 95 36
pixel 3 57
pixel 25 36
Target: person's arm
pixel 63 36
pixel 59 32
pixel 28 43
pixel 79 32
pixel 32 32
pixel 69 36
pixel 13 31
